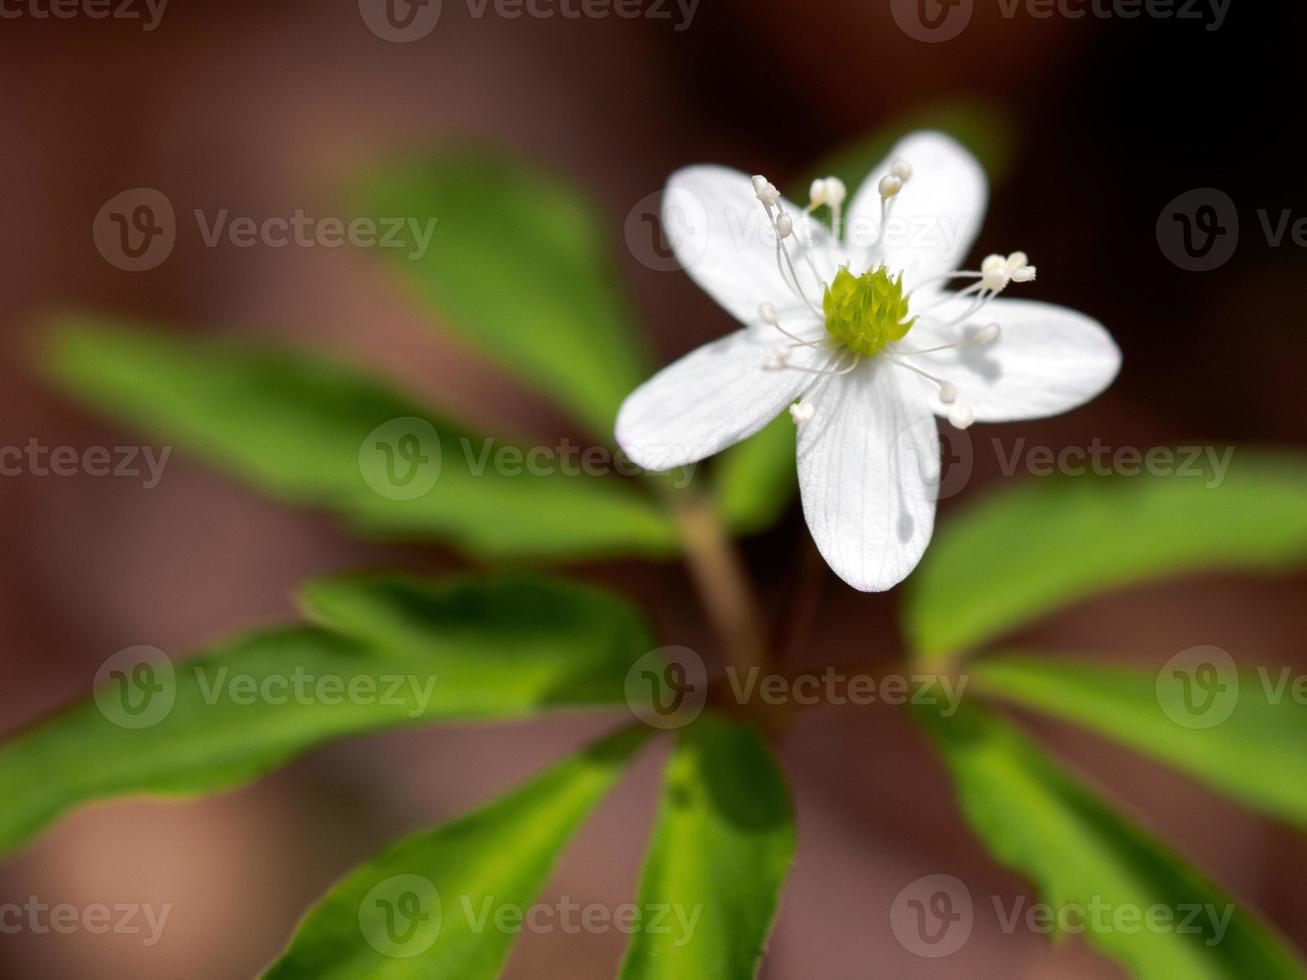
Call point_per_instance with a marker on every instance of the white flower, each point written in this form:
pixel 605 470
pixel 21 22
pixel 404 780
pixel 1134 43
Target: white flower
pixel 859 329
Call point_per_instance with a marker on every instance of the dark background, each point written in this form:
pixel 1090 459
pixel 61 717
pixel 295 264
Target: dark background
pixel 270 106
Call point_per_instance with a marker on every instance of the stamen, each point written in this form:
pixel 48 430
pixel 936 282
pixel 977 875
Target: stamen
pixel 985 335
pixel 948 393
pixel 783 225
pixel 765 190
pixel 996 272
pixel 802 412
pixel 900 172
pixel 773 365
pixel 767 314
pixel 831 192
pixel 779 360
pixel 961 416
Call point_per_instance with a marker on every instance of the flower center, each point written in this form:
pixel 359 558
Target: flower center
pixel 866 312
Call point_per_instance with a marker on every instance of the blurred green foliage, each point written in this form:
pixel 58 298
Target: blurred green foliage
pixel 494 861
pixel 1037 819
pixel 722 845
pixel 463 649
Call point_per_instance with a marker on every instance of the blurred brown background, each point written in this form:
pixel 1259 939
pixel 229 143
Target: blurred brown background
pixel 263 108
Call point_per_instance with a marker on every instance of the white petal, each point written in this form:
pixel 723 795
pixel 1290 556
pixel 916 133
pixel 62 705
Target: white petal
pixel 722 237
pixel 1047 359
pixel 713 397
pixel 869 475
pixel 934 218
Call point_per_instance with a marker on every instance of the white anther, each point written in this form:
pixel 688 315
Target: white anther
pixel 889 186
pixel 765 190
pixel 948 393
pixel 802 412
pixel 986 334
pixel 961 416
pixel 1019 268
pixel 836 192
pixel 994 274
pixel 767 314
pixel 779 360
pixel 827 190
pixel 901 169
pixel 784 225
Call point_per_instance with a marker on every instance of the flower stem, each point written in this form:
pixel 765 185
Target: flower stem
pixel 719 574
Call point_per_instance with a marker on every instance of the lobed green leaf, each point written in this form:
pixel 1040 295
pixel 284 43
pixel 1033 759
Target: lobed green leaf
pixel 1244 737
pixel 519 266
pixel 312 431
pixel 449 902
pixel 393 651
pixel 720 852
pixel 1039 820
pixel 1025 551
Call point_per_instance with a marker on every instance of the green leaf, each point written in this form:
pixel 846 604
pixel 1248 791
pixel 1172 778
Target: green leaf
pixel 721 849
pixel 1244 738
pixel 755 481
pixel 503 646
pixel 1037 819
pixel 1026 551
pixel 519 266
pixel 316 432
pixel 985 128
pixel 394 651
pixel 449 902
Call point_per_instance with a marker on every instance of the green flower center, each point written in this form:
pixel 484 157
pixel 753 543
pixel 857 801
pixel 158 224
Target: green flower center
pixel 866 312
